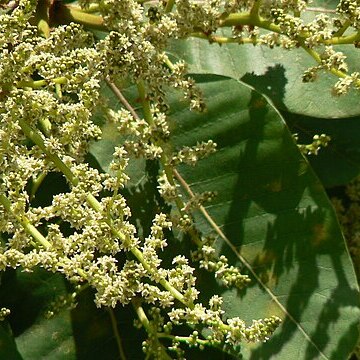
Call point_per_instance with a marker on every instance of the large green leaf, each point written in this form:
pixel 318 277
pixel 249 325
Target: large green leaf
pixel 271 217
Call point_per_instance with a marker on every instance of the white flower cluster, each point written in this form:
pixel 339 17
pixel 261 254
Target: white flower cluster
pixel 290 25
pixel 276 23
pixel 233 332
pixel 227 274
pixel 319 30
pixel 190 155
pixel 4 312
pixel 50 90
pixel 350 10
pixel 343 85
pixel 332 60
pixel 192 16
pixel 319 141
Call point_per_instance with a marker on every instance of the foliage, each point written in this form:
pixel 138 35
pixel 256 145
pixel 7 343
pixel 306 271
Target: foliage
pixel 154 201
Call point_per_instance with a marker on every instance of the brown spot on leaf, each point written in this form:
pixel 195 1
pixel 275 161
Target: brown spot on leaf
pixel 275 186
pixel 258 103
pixel 264 267
pixel 320 234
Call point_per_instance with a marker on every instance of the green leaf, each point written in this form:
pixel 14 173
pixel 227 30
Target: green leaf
pixel 29 297
pixel 271 218
pixel 48 339
pixel 276 73
pixel 8 349
pixel 82 333
pixel 94 333
pixel 339 162
pixel 274 219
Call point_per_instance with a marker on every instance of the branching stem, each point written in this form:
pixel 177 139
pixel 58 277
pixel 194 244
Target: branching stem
pixel 164 157
pixel 25 223
pixel 148 327
pixel 31 229
pixel 94 203
pixel 66 13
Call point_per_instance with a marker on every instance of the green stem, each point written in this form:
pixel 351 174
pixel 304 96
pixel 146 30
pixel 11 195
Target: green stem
pixel 36 184
pixel 164 283
pixel 31 229
pixel 148 327
pixel 225 40
pixel 65 14
pixel 343 40
pixel 315 55
pixel 246 18
pixel 92 8
pixel 185 339
pixel 58 90
pixel 169 6
pixel 141 315
pixel 341 31
pixel 36 84
pixel 25 223
pixel 164 158
pixel 45 126
pixel 168 63
pixel 38 140
pixel 254 12
pixel 116 333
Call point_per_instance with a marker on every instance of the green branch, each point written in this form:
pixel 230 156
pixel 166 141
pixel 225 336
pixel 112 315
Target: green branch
pixel 343 40
pixel 164 158
pixel 225 39
pixel 25 223
pixel 169 6
pixel 342 30
pixel 148 327
pixel 254 12
pixel 252 18
pixel 247 18
pixel 37 84
pixel 65 14
pixel 31 229
pixel 94 203
pixel 170 172
pixel 36 184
